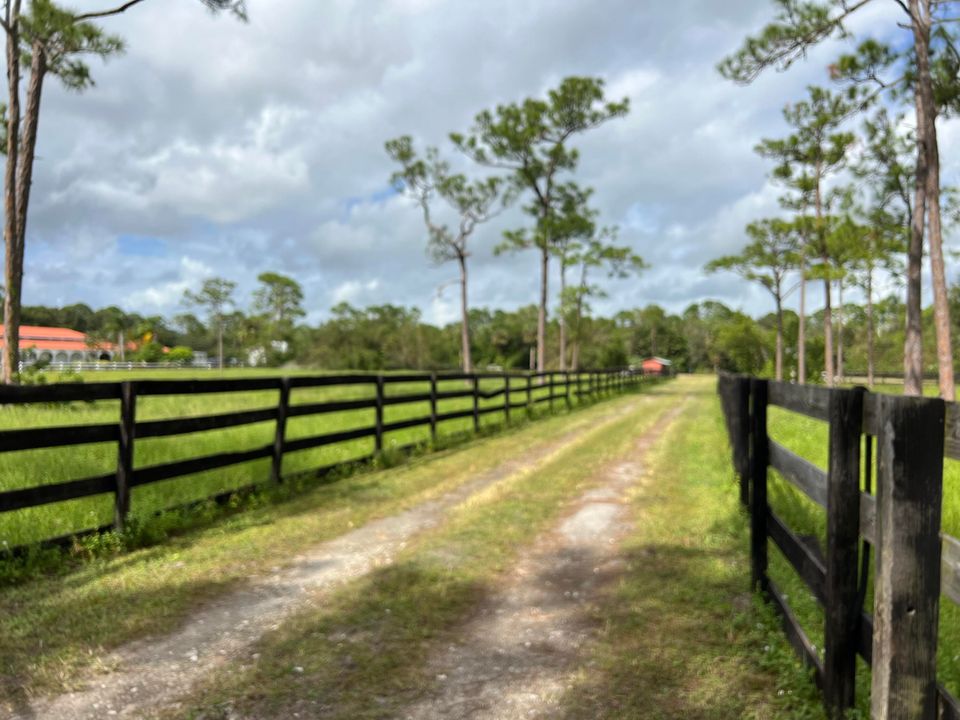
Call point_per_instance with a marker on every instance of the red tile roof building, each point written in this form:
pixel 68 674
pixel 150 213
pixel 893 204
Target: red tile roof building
pixel 59 345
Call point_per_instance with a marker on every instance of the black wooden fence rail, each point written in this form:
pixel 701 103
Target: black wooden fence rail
pixel 127 430
pixel 915 562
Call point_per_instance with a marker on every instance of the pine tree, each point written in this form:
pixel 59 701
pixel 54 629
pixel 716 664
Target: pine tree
pixel 531 141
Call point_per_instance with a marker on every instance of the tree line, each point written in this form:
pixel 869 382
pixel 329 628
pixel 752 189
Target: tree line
pixel 860 170
pixel 705 337
pixel 263 333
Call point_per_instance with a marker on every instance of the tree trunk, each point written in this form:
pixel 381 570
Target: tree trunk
pixel 941 303
pixel 562 318
pixel 28 141
pixel 913 339
pixel 542 310
pixel 11 235
pixel 828 332
pixel 13 267
pixel 827 310
pixel 220 343
pixel 802 327
pixel 779 351
pixel 575 362
pixel 840 329
pixel 870 346
pixel 464 318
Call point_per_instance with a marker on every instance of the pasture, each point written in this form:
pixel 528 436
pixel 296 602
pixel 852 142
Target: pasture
pixel 677 596
pixel 28 468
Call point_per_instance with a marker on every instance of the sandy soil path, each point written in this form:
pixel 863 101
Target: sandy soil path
pixel 151 673
pixel 519 656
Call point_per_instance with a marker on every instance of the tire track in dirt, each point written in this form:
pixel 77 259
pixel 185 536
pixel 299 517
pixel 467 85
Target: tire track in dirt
pixel 518 657
pixel 150 673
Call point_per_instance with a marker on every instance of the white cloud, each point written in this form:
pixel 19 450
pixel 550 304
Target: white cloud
pixel 259 146
pixel 353 291
pixel 160 298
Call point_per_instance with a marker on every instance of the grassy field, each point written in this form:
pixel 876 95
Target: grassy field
pixel 33 467
pixel 55 628
pixel 809 438
pixel 679 635
pixel 683 636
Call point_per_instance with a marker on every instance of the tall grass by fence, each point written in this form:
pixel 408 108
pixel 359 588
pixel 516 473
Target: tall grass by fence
pixel 915 563
pixel 469 398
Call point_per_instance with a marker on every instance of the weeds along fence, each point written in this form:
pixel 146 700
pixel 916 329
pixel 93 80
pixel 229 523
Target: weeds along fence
pixel 332 400
pixel 915 562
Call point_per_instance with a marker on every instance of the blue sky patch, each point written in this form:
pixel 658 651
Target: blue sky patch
pixel 139 246
pixel 377 197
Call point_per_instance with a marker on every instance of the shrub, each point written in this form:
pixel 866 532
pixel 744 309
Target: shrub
pixel 181 355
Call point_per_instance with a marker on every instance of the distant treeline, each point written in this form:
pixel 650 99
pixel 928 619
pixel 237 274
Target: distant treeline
pixel 706 336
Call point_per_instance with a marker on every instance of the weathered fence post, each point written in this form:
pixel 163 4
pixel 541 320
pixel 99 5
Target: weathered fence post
pixel 579 388
pixel 566 377
pixel 476 403
pixel 529 395
pixel 741 424
pixel 128 428
pixel 279 437
pixel 378 420
pixel 433 407
pixel 841 606
pixel 506 398
pixel 759 450
pixel 550 389
pixel 907 583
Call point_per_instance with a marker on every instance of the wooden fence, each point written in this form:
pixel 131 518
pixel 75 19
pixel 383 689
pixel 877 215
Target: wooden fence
pixel 915 563
pixel 520 392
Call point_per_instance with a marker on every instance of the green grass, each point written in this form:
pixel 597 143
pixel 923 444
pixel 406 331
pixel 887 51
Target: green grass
pixel 54 628
pixel 364 652
pixel 46 466
pixel 683 637
pixel 680 634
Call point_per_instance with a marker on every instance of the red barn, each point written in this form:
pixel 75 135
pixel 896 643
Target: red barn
pixel 656 366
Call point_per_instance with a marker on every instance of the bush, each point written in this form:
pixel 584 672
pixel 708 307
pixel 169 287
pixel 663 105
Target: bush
pixel 149 352
pixel 181 355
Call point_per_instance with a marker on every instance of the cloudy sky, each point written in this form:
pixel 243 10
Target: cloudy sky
pixel 217 148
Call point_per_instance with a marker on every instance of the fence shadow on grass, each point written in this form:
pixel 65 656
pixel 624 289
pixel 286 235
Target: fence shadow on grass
pixel 676 640
pixel 360 655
